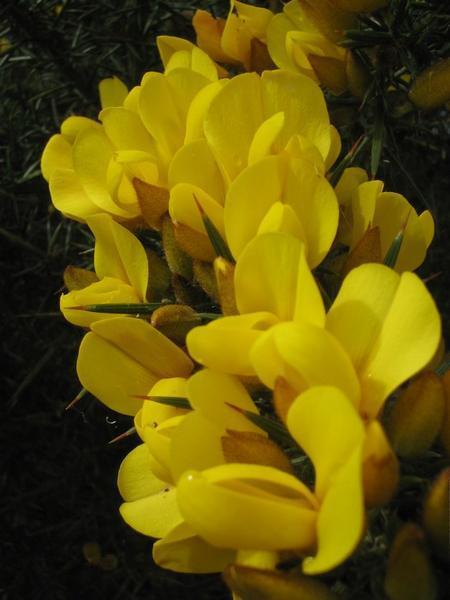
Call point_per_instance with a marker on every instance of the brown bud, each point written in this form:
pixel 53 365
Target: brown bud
pixel 179 262
pixel 432 87
pixel 175 321
pixel 416 419
pixel 330 72
pixel 259 584
pixel 204 276
pixel 409 575
pixel 444 434
pixel 159 277
pixel 153 200
pixel 380 467
pixel 436 515
pixel 260 59
pixel 367 250
pixel 195 244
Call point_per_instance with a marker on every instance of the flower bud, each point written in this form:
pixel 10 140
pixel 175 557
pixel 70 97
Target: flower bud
pixel 159 279
pixel 153 200
pixel 409 575
pixel 436 515
pixel 330 72
pixel 204 276
pixel 175 321
pixel 179 262
pixel 249 583
pixel 195 244
pixel 432 87
pixel 380 467
pixel 444 434
pixel 416 418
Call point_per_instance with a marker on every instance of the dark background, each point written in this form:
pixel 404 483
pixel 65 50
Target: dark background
pixel 57 470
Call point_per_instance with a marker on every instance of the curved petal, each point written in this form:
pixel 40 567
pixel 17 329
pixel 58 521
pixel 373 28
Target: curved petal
pixel 275 507
pixel 69 197
pixel 277 30
pixel 184 202
pixel 126 130
pixel 153 515
pixel 238 105
pixel 57 154
pixel 303 104
pixel 184 552
pixel 340 524
pixel 225 344
pixel 265 137
pixel 305 356
pixel 118 253
pixel 398 329
pixel 198 108
pixel 325 413
pixel 135 479
pixel 106 291
pixel 272 275
pixel 112 92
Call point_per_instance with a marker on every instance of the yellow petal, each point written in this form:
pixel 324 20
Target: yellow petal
pixel 350 179
pixel 112 376
pixel 275 507
pixel 272 275
pixel 154 413
pixel 194 164
pixel 215 345
pixel 335 148
pixel 340 524
pixel 112 92
pixel 119 254
pixel 198 108
pixel 253 448
pixel 298 352
pixel 135 479
pixel 69 197
pixel 145 345
pixel 265 137
pixel 57 155
pixel 76 278
pixel 184 552
pixel 282 217
pixel 126 130
pixel 249 198
pixel 159 442
pixel 398 329
pixel 153 515
pixel 277 30
pixel 106 291
pixel 169 44
pixel 303 104
pixel 325 413
pixel 74 125
pixel 380 467
pixel 238 105
pixel 209 32
pixel 184 209
pixel 195 60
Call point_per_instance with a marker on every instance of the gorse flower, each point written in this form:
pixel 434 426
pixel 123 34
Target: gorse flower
pixel 254 334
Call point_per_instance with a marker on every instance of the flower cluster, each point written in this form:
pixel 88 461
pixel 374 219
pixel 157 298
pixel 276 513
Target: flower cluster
pixel 262 422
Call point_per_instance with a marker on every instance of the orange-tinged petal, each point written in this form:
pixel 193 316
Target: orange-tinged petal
pixel 135 479
pixel 325 413
pixel 112 92
pixel 305 356
pixel 209 32
pixel 275 507
pixel 225 344
pixel 380 467
pixel 272 275
pixel 398 329
pixel 57 155
pixel 118 253
pixel 153 515
pixel 183 551
pixel 341 520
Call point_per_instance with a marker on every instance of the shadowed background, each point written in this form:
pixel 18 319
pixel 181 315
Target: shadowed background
pixel 57 470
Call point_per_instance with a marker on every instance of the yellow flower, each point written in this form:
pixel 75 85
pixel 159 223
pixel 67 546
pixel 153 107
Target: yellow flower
pixel 365 205
pixel 272 283
pixel 115 166
pixel 121 265
pixel 246 121
pixel 122 357
pixel 297 45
